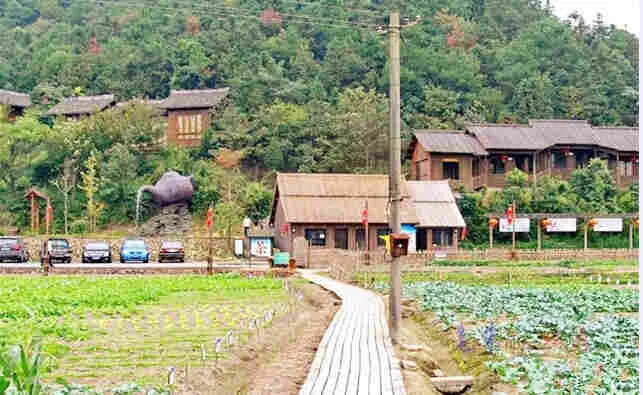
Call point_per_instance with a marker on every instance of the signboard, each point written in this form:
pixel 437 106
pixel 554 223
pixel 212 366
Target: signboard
pixel 561 225
pixel 521 224
pixel 238 247
pixel 410 230
pixel 261 246
pixel 608 225
pixel 281 258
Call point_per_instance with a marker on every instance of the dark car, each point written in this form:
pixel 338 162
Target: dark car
pixel 56 250
pixel 13 249
pixel 135 250
pixel 97 251
pixel 171 251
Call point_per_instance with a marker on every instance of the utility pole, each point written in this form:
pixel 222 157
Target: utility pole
pixel 395 175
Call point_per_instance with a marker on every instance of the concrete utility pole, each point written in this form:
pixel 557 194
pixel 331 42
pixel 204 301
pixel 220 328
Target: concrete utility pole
pixel 395 170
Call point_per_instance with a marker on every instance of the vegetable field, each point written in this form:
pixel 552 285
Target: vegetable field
pixel 106 330
pixel 545 340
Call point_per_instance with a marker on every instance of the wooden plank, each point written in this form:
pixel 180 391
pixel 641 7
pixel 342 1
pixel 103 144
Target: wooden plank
pixel 356 355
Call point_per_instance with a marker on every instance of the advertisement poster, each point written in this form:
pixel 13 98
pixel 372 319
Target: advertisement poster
pixel 521 224
pixel 608 225
pixel 261 246
pixel 410 230
pixel 562 225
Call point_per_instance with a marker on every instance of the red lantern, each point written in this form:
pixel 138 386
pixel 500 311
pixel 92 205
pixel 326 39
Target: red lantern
pixel 591 223
pixel 284 229
pixel 364 216
pixel 510 214
pixel 504 158
pixel 209 218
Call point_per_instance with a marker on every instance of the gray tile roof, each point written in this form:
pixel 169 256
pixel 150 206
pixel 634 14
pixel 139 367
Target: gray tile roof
pixel 82 105
pixel 449 141
pixel 619 139
pixel 199 98
pixel 540 134
pixel 14 99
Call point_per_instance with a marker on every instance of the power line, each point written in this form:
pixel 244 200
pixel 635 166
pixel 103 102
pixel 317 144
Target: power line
pixel 240 13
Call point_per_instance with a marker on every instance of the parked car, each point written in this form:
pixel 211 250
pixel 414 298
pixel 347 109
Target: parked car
pixel 135 250
pixel 97 251
pixel 171 251
pixel 13 249
pixel 56 250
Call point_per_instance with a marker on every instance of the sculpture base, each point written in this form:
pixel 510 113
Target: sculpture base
pixel 174 219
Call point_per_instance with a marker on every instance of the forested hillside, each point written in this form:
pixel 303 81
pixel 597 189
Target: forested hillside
pixel 308 94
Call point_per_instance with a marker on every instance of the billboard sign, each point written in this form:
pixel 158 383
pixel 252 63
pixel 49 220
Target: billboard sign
pixel 261 246
pixel 521 224
pixel 561 225
pixel 608 225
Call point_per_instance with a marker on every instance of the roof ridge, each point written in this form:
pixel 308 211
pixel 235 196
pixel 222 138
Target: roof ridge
pixel 514 125
pixel 445 131
pixel 81 98
pixel 13 92
pixel 211 90
pixel 560 120
pixel 616 127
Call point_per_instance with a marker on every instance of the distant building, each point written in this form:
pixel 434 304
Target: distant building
pixel 481 155
pixel 15 103
pixel 76 107
pixel 326 210
pixel 189 113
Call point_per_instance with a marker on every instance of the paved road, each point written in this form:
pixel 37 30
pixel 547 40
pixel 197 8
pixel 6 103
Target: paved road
pixel 356 354
pixel 150 266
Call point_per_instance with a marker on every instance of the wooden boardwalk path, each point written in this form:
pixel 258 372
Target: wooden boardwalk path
pixel 355 355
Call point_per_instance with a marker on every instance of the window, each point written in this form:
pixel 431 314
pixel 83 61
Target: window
pixel 190 126
pixel 341 238
pixel 442 237
pixel 451 170
pixel 497 166
pixel 382 232
pixel 317 237
pixel 559 160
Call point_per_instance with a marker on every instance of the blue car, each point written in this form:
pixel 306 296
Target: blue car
pixel 135 250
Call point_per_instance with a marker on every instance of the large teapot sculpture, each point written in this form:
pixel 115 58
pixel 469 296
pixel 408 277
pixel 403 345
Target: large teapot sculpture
pixel 171 188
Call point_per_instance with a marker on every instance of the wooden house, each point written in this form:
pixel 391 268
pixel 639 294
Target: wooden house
pixel 483 154
pixel 74 108
pixel 326 210
pixel 189 114
pixel 14 103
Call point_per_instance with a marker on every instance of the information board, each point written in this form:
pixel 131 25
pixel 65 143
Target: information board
pixel 562 225
pixel 238 247
pixel 521 224
pixel 261 246
pixel 608 225
pixel 281 259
